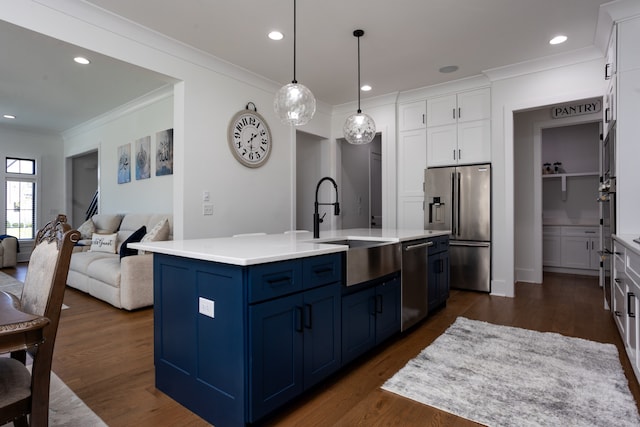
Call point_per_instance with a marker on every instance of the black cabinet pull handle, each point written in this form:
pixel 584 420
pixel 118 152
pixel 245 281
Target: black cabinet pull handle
pixel 617 313
pixel 617 280
pixel 379 304
pixel 607 67
pixel 283 281
pixel 308 315
pixel 322 271
pixel 629 296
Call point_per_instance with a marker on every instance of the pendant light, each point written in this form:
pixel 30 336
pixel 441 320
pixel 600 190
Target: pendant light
pixel 294 103
pixel 359 128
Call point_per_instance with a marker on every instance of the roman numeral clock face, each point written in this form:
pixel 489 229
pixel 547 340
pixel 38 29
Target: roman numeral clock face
pixel 249 138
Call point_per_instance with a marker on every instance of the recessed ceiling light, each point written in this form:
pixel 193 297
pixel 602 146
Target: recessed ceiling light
pixel 558 39
pixel 81 60
pixel 276 35
pixel 448 69
pixel 9 116
pixel 365 88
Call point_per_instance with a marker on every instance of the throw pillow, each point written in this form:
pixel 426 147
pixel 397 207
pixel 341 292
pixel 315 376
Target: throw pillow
pixel 158 233
pixel 103 243
pixel 87 229
pixel 136 236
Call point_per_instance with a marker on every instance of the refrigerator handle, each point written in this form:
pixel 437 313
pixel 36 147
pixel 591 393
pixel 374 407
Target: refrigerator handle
pixel 454 205
pixel 458 203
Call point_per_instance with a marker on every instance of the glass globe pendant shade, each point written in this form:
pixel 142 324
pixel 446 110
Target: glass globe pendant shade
pixel 359 128
pixel 294 104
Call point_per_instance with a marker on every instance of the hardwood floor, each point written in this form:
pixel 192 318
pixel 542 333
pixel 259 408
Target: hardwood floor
pixel 105 355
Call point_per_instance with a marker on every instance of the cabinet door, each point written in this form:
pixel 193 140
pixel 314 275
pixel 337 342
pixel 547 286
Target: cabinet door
pixel 358 324
pixel 412 116
pixel 412 160
pixel 551 250
pixel 276 353
pixel 388 307
pixel 443 277
pixel 442 145
pixel 575 252
pixel 474 105
pixel 474 142
pixel 322 326
pixel 441 110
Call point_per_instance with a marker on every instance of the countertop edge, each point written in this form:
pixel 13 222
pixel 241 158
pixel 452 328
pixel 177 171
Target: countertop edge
pixel 254 250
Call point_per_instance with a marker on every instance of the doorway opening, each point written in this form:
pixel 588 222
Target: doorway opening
pixel 552 202
pixel 361 184
pixel 84 186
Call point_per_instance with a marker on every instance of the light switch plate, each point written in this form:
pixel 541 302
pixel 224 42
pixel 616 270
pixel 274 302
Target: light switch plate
pixel 206 307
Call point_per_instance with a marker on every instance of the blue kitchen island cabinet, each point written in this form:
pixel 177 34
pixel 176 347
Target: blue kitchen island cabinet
pixel 273 331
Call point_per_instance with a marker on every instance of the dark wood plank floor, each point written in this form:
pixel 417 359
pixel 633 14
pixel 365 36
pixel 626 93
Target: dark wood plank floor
pixel 105 356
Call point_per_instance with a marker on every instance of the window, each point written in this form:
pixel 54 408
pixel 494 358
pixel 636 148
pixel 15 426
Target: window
pixel 20 206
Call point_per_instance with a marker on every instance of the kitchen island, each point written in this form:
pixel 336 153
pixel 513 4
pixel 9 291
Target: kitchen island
pixel 242 325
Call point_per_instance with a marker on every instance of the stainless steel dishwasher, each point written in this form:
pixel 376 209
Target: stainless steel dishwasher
pixel 414 278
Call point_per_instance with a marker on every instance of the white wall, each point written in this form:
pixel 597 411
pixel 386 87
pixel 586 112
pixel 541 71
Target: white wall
pixel 553 86
pixel 106 134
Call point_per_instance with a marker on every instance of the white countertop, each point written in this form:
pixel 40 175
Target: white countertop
pixel 249 250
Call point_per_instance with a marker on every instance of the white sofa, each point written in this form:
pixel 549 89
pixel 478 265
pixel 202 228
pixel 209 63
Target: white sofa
pixel 125 282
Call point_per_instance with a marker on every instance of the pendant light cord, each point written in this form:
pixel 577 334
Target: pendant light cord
pixel 358 34
pixel 294 43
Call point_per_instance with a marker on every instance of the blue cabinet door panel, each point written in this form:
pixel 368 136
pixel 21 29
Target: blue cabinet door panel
pixel 388 309
pixel 275 368
pixel 174 317
pixel 358 324
pixel 322 345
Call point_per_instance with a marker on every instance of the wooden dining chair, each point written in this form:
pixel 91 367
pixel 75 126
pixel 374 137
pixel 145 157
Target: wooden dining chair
pixel 23 393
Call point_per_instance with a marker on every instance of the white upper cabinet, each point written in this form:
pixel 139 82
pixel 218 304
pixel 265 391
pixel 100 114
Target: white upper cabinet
pixel 459 128
pixel 412 116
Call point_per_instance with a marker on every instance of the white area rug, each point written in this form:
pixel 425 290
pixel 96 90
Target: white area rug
pixel 66 409
pixel 505 376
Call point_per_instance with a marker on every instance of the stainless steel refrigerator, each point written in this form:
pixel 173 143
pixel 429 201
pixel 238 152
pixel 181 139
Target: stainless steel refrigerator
pixel 458 198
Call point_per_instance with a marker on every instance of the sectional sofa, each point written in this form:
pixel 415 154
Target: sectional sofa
pixel 102 265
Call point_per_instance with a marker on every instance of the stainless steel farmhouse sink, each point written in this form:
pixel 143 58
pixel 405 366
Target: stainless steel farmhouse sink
pixel 366 259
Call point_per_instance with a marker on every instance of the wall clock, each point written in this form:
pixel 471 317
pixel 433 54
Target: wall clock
pixel 249 137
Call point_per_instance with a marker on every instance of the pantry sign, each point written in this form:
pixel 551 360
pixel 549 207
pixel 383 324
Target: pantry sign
pixel 576 109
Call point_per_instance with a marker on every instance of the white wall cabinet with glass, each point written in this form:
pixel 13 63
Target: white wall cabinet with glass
pixel 626 292
pixel 412 161
pixel 459 128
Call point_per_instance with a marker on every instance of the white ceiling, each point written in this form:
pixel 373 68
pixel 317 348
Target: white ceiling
pixel 405 43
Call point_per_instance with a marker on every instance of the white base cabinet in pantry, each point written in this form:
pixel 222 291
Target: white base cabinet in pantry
pixel 626 292
pixel 571 247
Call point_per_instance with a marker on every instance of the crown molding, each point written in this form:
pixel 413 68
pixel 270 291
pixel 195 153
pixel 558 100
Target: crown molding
pixel 543 64
pixel 119 112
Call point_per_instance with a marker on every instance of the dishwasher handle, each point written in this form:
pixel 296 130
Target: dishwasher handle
pixel 418 246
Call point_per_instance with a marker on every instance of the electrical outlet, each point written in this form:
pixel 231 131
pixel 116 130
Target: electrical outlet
pixel 206 307
pixel 207 209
